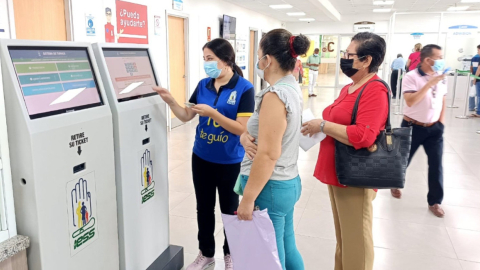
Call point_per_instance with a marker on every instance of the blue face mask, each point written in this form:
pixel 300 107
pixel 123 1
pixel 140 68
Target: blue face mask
pixel 211 68
pixel 439 65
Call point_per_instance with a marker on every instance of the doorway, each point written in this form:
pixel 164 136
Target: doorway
pixel 177 63
pixel 40 20
pixel 252 57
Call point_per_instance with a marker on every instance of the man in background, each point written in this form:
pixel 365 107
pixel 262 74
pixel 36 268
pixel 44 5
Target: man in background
pixel 313 63
pixel 425 89
pixel 397 65
pixel 475 105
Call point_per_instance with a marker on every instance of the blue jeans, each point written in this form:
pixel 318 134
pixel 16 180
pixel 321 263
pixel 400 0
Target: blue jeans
pixel 471 100
pixel 279 197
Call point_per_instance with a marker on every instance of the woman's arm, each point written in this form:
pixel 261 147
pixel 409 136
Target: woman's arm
pixel 273 123
pixel 184 114
pixel 371 117
pixel 408 63
pixel 237 127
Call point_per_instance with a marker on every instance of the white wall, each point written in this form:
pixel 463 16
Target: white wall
pixel 381 27
pixel 201 14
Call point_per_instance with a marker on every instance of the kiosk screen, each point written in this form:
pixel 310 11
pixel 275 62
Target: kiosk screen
pixel 131 73
pixel 55 80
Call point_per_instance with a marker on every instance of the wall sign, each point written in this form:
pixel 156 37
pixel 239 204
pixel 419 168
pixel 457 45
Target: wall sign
pixel 178 4
pixel 90 25
pixel 132 23
pixel 416 35
pixel 209 34
pixel 157 21
pixel 462 31
pixel 363 27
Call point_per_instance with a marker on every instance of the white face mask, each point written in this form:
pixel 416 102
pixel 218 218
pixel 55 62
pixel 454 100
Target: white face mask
pixel 260 72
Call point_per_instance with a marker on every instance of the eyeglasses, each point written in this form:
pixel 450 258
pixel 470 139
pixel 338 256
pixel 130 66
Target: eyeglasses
pixel 346 55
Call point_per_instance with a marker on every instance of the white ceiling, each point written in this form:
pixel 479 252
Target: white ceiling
pixel 350 10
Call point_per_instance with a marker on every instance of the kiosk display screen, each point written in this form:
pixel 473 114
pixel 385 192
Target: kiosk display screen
pixel 131 73
pixel 55 80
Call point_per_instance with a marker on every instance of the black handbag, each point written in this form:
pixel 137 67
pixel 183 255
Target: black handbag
pixel 380 166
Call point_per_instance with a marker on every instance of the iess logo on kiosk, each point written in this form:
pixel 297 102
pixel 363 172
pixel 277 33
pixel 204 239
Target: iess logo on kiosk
pixel 146 175
pixel 82 212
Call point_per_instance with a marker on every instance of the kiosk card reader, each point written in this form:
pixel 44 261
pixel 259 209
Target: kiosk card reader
pixel 62 154
pixel 140 134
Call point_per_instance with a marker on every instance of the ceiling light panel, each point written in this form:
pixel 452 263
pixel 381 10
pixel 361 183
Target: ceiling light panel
pixel 281 6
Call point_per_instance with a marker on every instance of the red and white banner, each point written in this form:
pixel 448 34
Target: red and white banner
pixel 132 23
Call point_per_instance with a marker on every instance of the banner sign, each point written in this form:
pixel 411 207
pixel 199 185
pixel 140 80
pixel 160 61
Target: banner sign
pixel 363 27
pixel 462 31
pixel 132 23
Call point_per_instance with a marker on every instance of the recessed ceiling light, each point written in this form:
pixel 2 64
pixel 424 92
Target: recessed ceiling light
pixel 382 10
pixel 307 19
pixel 296 13
pixel 458 8
pixel 281 6
pixel 470 1
pixel 381 3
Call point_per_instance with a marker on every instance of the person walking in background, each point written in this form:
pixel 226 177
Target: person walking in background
pixel 414 58
pixel 225 101
pixel 397 64
pixel 298 70
pixel 269 174
pixel 351 206
pixel 475 105
pixel 313 63
pixel 425 91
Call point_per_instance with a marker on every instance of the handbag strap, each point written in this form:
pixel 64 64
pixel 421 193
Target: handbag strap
pixel 388 126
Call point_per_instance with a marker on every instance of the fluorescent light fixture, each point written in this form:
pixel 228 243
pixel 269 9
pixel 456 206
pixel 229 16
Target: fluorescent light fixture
pixel 470 1
pixel 281 6
pixel 68 95
pixel 296 13
pixel 384 10
pixel 130 88
pixel 307 19
pixel 460 8
pixel 381 3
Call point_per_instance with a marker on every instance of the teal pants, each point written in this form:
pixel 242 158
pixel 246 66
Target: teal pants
pixel 279 197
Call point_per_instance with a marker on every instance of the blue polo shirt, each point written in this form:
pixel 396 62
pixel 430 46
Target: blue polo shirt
pixel 475 63
pixel 213 143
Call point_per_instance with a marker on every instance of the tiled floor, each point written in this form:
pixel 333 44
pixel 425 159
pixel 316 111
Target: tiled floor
pixel 407 236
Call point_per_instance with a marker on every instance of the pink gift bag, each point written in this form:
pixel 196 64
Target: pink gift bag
pixel 252 243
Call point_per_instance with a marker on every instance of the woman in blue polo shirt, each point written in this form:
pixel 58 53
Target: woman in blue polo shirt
pixel 225 101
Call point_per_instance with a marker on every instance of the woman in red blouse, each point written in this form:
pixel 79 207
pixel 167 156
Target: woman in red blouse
pixel 352 207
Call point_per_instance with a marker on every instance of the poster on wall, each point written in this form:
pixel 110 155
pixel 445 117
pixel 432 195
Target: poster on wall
pixel 157 21
pixel 90 25
pixel 110 36
pixel 363 27
pixel 241 51
pixel 178 4
pixel 132 23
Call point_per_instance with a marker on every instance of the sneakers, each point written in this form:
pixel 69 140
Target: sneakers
pixel 203 263
pixel 228 262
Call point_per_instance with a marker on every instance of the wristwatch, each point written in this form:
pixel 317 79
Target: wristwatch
pixel 322 125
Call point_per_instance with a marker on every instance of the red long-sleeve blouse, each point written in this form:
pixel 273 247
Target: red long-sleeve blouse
pixel 371 119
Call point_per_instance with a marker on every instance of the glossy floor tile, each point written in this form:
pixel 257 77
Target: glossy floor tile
pixel 407 236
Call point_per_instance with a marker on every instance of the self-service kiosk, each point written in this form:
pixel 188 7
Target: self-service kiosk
pixel 140 133
pixel 62 154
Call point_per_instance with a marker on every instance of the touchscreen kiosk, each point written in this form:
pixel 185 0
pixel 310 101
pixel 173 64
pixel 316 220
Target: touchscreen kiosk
pixel 61 147
pixel 140 134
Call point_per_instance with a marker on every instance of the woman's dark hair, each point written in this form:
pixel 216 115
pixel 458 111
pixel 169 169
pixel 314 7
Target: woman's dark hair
pixel 280 44
pixel 224 50
pixel 373 45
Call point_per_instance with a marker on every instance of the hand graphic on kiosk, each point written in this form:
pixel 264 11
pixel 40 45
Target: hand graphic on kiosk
pixel 81 194
pixel 147 169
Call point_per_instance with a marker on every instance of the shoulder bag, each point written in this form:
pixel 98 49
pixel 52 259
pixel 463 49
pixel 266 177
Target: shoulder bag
pixel 380 166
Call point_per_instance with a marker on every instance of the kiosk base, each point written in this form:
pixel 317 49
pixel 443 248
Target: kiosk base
pixel 171 259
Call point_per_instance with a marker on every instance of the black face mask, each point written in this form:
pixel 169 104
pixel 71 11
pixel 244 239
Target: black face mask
pixel 347 67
